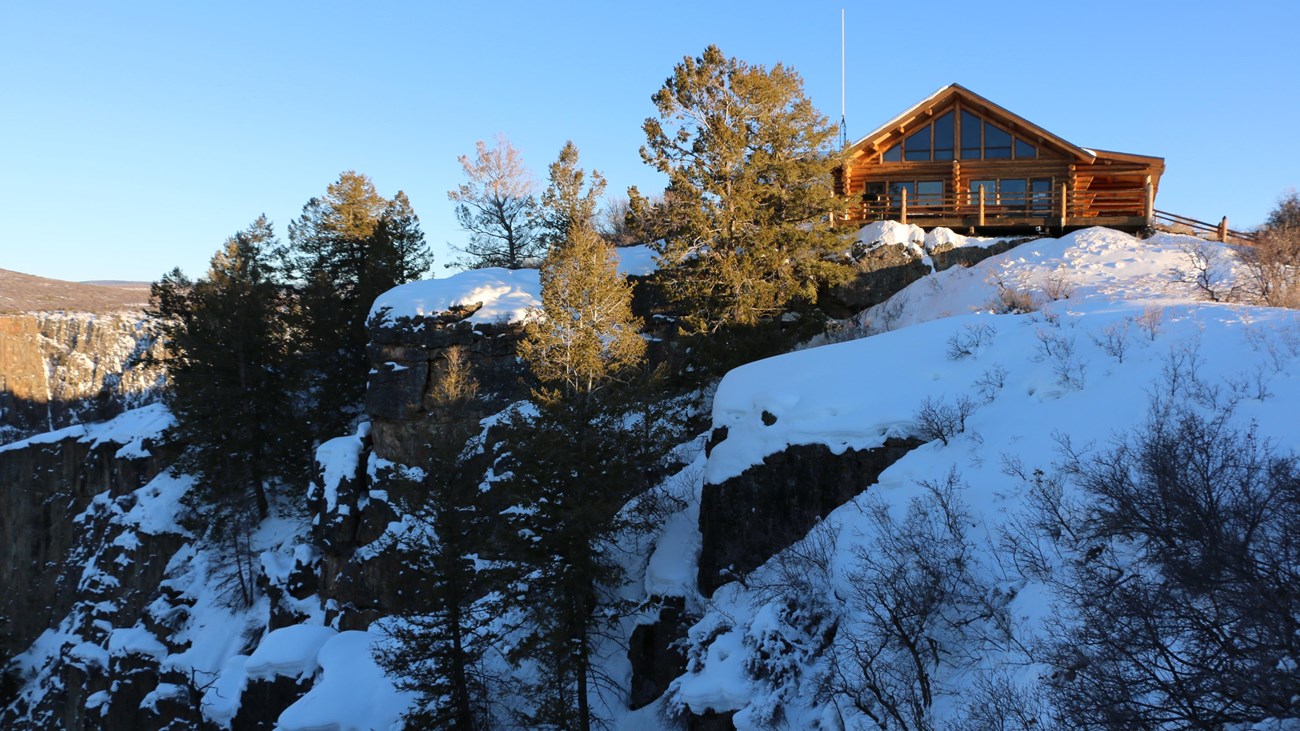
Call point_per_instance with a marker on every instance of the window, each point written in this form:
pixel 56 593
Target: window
pixel 1040 190
pixel 943 137
pixel 990 191
pixel 970 136
pixel 1025 151
pixel 917 146
pixel 929 192
pixel 874 193
pixel 1012 192
pixel 997 143
pixel 893 154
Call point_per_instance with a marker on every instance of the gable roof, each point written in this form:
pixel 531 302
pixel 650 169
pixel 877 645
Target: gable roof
pixel 942 97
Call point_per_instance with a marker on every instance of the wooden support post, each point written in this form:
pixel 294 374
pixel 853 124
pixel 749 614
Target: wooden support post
pixel 904 209
pixel 1065 204
pixel 1150 212
pixel 981 205
pixel 1223 229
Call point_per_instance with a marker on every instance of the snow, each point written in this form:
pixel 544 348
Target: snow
pixel 506 295
pixel 130 429
pixel 338 459
pixel 352 693
pixel 290 651
pixel 915 239
pixel 1032 378
pixel 636 261
pixel 135 641
pixel 222 698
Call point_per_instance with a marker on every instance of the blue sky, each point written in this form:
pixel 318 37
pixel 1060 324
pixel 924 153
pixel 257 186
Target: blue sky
pixel 137 136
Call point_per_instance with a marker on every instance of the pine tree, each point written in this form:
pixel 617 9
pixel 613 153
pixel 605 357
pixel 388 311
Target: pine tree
pixel 749 198
pixel 439 645
pixel 587 336
pixel 570 198
pixel 345 249
pixel 570 473
pixel 496 208
pixel 230 359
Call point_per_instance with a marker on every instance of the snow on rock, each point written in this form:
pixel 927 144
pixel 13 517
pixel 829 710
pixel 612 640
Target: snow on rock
pixel 338 459
pixel 221 700
pixel 291 651
pixel 129 429
pixel 915 239
pixel 135 641
pixel 352 694
pixel 506 295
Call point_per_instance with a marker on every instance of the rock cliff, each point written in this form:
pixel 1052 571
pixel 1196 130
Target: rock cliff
pixel 59 368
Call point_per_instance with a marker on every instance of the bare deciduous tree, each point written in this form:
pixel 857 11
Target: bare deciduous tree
pixel 496 207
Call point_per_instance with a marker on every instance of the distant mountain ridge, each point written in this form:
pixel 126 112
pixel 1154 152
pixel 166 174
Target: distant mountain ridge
pixel 28 293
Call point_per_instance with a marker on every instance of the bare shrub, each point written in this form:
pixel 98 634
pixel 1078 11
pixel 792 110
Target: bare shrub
pixel 1272 267
pixel 1150 321
pixel 1058 286
pixel 917 608
pixel 1207 270
pixel 972 336
pixel 938 419
pixel 1011 300
pixel 1058 348
pixel 991 382
pixel 1113 339
pixel 1182 587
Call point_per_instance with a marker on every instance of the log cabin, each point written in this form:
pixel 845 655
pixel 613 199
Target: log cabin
pixel 960 161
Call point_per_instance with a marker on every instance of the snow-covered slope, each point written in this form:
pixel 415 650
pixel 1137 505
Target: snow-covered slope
pixel 1122 328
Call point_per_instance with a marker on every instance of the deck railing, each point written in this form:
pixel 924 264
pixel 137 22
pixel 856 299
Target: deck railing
pixel 1218 230
pixel 1054 207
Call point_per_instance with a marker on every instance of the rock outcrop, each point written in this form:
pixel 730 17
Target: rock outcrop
pixel 410 357
pixel 749 518
pixel 61 368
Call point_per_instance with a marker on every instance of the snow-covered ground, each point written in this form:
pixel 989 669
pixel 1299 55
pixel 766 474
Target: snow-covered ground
pixel 1114 322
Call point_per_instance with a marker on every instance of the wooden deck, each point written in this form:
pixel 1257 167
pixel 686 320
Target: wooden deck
pixel 1120 209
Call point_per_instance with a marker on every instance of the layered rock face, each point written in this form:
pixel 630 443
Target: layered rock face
pixel 751 517
pixel 61 368
pixel 411 357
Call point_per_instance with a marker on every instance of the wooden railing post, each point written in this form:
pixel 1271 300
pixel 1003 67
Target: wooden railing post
pixel 1064 204
pixel 981 205
pixel 1150 212
pixel 904 209
pixel 1223 229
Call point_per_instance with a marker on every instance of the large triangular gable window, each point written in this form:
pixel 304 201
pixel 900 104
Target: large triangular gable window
pixel 980 140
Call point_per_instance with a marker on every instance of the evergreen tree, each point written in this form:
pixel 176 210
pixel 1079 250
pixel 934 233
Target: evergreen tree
pixel 570 474
pixel 570 198
pixel 229 355
pixel 345 249
pixel 496 208
pixel 587 336
pixel 749 200
pixel 439 645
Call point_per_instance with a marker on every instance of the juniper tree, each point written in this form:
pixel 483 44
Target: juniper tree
pixel 495 206
pixel 570 198
pixel 346 248
pixel 229 355
pixel 749 201
pixel 571 474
